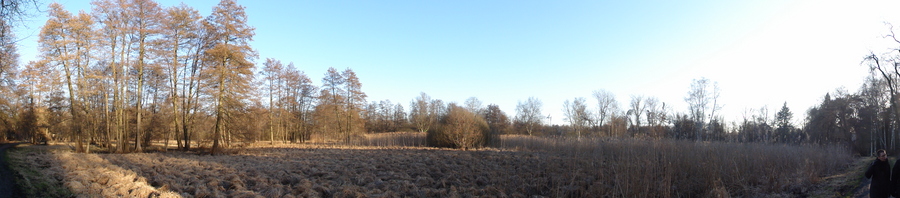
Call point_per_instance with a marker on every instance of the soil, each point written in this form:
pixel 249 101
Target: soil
pixel 862 190
pixel 8 186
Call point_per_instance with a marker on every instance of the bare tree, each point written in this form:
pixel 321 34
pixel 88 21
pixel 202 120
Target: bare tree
pixel 607 108
pixel 702 103
pixel 300 99
pixel 422 113
pixel 272 70
pixel 635 112
pixel 657 115
pixel 474 105
pixel 529 114
pixel 496 119
pixel 889 70
pixel 356 101
pixel 577 115
pixel 13 11
pixel 341 104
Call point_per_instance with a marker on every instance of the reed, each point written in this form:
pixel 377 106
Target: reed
pixel 394 139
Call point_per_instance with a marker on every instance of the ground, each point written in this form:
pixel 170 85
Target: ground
pixel 665 169
pixel 848 183
pixel 7 181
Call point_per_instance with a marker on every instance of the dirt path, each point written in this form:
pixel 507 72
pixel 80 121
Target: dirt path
pixel 862 191
pixel 8 186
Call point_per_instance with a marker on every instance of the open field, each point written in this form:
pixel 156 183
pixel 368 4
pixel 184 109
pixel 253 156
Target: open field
pixel 522 167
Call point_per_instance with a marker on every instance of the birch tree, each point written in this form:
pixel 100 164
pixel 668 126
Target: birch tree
pixel 635 112
pixel 529 114
pixel 702 103
pixel 577 115
pixel 607 106
pixel 422 114
pixel 272 71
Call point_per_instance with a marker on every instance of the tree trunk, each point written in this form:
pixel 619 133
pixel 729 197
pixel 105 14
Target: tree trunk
pixel 73 109
pixel 219 109
pixel 139 131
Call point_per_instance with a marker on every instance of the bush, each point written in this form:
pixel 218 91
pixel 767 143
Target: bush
pixel 460 128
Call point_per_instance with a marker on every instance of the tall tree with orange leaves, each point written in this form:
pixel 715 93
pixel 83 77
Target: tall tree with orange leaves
pixel 65 41
pixel 180 29
pixel 230 58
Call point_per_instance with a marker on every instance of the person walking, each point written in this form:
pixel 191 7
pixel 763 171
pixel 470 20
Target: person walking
pixel 880 173
pixel 895 179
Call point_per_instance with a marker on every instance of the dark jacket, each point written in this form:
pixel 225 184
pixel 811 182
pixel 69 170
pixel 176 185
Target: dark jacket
pixel 895 179
pixel 880 173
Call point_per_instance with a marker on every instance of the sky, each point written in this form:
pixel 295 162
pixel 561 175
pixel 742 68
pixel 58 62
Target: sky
pixel 762 53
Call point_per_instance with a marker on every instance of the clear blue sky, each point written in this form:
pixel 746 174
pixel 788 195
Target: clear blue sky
pixel 762 53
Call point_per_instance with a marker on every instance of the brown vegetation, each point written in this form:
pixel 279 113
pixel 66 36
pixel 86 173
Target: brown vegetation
pixel 460 128
pixel 397 139
pixel 59 172
pixel 522 167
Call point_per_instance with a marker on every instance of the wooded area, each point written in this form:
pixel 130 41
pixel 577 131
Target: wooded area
pixel 130 73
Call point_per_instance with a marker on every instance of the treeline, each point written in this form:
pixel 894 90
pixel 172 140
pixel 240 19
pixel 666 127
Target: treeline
pixel 129 73
pixel 863 121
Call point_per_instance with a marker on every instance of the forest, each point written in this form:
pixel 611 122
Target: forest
pixel 130 73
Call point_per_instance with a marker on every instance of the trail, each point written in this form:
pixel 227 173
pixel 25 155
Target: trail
pixel 8 186
pixel 862 191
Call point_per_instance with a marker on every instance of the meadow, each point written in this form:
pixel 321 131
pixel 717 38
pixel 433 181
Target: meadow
pixel 398 165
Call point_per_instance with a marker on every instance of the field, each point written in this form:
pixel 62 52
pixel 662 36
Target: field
pixel 394 165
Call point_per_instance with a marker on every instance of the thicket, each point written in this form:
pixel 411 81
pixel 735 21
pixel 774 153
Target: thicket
pixel 460 128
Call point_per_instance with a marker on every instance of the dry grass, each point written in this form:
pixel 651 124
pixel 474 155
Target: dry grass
pixel 846 183
pixel 37 171
pixel 669 168
pixel 395 139
pixel 521 167
pixel 54 171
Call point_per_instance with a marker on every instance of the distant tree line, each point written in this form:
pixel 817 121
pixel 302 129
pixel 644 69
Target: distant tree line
pixel 864 121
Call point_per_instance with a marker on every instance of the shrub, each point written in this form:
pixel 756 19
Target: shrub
pixel 460 128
